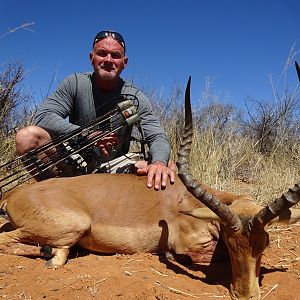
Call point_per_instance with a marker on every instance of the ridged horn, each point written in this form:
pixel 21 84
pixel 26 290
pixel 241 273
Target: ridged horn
pixel 193 186
pixel 275 208
pixel 298 70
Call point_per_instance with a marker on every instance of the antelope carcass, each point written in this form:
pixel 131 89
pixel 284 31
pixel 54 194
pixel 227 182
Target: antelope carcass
pixel 113 213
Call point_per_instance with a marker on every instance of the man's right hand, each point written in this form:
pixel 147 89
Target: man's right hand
pixel 106 144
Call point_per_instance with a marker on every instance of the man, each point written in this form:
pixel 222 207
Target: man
pixel 82 97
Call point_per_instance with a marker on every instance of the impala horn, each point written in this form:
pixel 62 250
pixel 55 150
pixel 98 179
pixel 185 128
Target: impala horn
pixel 298 70
pixel 184 173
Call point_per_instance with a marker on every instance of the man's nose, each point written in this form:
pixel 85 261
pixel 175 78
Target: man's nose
pixel 108 58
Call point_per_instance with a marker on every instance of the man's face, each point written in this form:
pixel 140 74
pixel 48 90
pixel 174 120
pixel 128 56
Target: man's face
pixel 108 59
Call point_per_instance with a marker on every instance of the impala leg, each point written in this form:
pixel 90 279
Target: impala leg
pixel 60 257
pixel 11 243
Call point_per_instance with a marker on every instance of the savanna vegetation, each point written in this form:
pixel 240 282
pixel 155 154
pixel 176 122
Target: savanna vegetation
pixel 254 148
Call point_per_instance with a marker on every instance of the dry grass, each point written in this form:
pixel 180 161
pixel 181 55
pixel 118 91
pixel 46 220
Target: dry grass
pixel 7 149
pixel 253 151
pixel 236 165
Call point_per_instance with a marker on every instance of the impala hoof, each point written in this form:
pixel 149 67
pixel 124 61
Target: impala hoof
pixel 59 259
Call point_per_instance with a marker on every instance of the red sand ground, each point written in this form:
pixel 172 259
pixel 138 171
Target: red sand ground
pixel 146 276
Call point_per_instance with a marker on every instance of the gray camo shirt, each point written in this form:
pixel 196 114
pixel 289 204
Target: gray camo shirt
pixel 77 102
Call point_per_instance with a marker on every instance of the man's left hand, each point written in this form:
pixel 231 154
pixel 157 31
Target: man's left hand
pixel 158 174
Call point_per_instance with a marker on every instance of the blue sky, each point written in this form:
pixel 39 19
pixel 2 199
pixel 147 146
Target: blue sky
pixel 236 43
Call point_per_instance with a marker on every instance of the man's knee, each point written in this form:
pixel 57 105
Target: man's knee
pixel 29 138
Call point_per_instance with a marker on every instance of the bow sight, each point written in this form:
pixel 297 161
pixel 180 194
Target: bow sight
pixel 73 151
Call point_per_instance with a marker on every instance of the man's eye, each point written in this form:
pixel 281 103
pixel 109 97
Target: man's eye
pixel 101 53
pixel 116 55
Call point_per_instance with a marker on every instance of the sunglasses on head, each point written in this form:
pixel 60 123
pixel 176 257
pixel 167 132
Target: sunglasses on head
pixel 115 35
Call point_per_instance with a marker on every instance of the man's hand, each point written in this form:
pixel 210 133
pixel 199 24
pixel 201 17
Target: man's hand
pixel 106 144
pixel 158 174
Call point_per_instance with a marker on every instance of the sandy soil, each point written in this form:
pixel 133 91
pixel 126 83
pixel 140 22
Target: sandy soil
pixel 147 276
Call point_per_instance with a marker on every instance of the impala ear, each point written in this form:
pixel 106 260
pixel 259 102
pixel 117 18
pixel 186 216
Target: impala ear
pixel 203 213
pixel 288 216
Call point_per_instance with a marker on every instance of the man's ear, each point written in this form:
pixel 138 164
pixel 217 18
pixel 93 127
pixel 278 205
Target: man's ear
pixel 91 57
pixel 125 61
